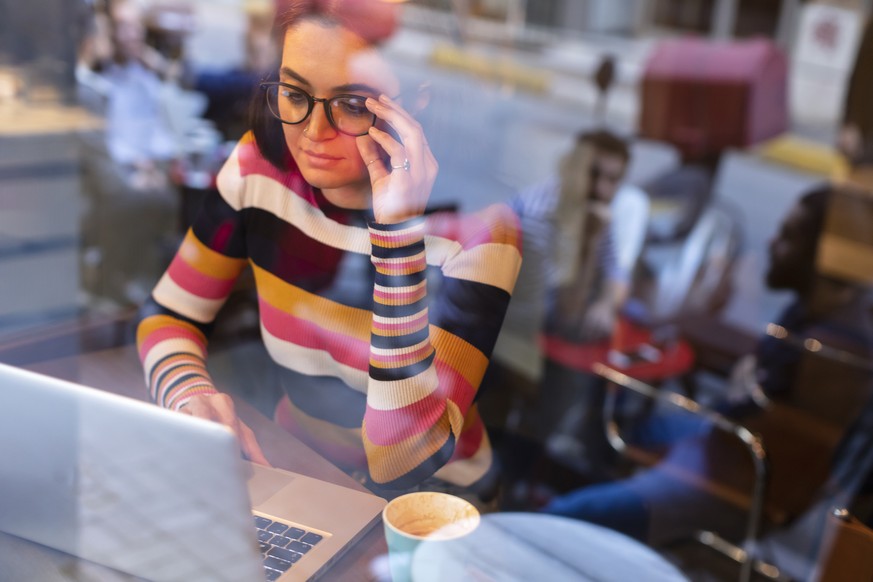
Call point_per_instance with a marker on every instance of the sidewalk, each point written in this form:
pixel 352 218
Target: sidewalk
pixel 565 64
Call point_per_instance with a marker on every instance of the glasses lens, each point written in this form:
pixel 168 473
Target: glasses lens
pixel 350 114
pixel 289 105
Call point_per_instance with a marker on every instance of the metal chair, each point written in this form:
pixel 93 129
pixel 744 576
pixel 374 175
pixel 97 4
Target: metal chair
pixel 800 433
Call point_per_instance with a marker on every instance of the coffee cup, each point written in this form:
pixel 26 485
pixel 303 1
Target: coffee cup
pixel 423 517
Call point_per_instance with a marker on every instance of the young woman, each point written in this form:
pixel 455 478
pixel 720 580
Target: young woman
pixel 381 320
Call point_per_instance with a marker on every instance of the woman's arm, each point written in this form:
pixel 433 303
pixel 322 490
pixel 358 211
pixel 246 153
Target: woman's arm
pixel 428 354
pixel 176 320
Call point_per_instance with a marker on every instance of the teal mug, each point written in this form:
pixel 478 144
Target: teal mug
pixel 423 517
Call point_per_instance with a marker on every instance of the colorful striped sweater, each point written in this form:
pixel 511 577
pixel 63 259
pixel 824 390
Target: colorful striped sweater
pixel 382 332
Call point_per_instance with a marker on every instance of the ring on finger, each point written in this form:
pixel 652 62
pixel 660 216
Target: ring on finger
pixel 404 166
pixel 371 162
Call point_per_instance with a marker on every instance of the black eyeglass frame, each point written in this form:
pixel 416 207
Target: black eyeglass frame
pixel 312 100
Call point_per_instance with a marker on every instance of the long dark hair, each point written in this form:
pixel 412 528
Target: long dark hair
pixel 372 20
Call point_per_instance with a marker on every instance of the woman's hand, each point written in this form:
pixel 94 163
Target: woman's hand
pixel 219 408
pixel 401 187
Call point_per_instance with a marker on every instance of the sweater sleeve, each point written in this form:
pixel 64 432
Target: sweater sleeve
pixel 175 321
pixel 428 354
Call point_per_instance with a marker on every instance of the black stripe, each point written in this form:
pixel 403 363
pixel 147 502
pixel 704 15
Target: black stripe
pixel 163 359
pixel 427 468
pixel 398 226
pixel 397 252
pixel 325 398
pixel 220 227
pixel 403 372
pixel 474 314
pixel 403 341
pixel 160 378
pixel 151 308
pixel 400 310
pixel 400 280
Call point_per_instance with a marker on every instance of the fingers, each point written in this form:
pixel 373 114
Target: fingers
pixel 397 152
pixel 372 156
pixel 220 408
pixel 403 123
pixel 409 130
pixel 250 447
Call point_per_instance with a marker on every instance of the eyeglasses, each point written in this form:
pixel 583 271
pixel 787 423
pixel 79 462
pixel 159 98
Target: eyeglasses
pixel 347 114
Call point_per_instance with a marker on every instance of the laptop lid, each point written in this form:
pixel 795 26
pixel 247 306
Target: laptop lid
pixel 147 491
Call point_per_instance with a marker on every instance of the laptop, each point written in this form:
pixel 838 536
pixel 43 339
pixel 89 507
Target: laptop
pixel 157 494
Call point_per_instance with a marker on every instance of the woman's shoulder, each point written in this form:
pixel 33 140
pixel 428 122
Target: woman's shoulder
pixel 247 170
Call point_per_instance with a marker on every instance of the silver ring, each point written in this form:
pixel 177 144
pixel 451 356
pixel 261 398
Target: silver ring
pixel 403 166
pixel 371 162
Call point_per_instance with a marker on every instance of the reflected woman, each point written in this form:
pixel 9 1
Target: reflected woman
pixel 381 320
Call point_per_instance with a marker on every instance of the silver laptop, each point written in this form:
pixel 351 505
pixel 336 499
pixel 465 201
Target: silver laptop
pixel 158 494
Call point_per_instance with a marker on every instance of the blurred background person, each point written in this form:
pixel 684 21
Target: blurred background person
pixel 855 137
pixel 653 505
pixel 582 234
pixel 229 90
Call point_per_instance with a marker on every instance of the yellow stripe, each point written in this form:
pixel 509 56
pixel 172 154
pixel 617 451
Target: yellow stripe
pixel 327 314
pixel 393 461
pixel 151 324
pixel 207 261
pixel 459 354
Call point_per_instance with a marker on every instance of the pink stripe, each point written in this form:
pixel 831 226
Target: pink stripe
pixel 390 427
pixel 388 240
pixel 405 296
pixel 412 324
pixel 386 427
pixel 251 162
pixel 415 356
pixel 454 386
pixel 342 348
pixel 496 224
pixel 200 284
pixel 404 267
pixel 470 441
pixel 171 395
pixel 169 333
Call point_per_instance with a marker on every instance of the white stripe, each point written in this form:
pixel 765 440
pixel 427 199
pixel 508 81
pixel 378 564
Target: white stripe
pixel 170 295
pixel 264 193
pixel 465 472
pixel 399 393
pixel 165 348
pixel 312 362
pixel 414 229
pixel 394 320
pixel 394 260
pixel 399 290
pixel 172 346
pixel 494 264
pixel 399 351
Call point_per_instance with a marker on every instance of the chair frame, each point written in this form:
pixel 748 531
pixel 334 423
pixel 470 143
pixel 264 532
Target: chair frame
pixel 744 554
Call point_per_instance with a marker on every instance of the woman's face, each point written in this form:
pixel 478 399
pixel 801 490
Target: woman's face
pixel 327 60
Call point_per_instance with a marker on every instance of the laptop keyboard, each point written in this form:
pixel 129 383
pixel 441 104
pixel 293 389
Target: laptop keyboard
pixel 282 545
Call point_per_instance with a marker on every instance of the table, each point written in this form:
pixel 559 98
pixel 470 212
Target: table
pixel 118 370
pixel 675 358
pixel 533 546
